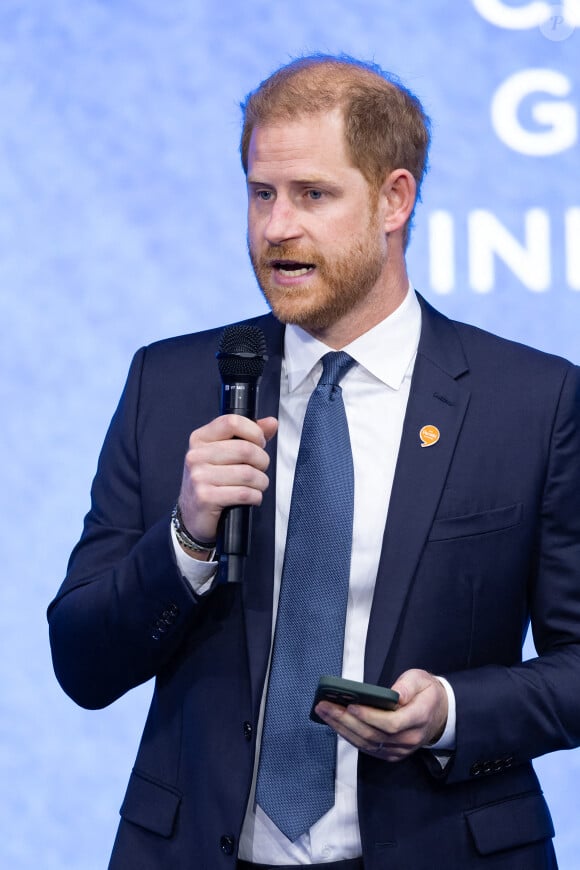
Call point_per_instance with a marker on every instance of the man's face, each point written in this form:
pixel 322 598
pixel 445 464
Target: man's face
pixel 314 232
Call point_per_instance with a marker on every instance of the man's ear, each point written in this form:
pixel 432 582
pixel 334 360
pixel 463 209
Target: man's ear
pixel 397 198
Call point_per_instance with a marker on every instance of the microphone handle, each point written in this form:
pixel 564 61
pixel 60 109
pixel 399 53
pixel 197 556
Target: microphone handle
pixel 238 397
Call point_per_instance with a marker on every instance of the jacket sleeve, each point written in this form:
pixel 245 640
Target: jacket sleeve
pixel 123 608
pixel 508 715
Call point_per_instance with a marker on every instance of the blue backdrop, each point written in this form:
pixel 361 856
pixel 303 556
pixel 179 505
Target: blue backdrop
pixel 122 221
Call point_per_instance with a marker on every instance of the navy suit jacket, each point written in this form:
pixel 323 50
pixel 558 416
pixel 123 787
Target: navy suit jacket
pixel 483 533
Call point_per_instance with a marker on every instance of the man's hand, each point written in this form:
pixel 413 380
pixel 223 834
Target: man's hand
pixel 225 465
pixel 392 735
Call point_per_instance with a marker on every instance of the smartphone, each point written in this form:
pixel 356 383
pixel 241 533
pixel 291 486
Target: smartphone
pixel 345 692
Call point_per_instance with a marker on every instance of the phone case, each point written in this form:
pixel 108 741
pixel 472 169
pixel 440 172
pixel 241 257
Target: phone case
pixel 345 692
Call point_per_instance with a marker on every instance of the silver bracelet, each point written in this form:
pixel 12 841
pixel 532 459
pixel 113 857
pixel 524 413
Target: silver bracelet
pixel 185 538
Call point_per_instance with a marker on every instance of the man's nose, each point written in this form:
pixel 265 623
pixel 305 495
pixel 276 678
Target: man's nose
pixel 283 223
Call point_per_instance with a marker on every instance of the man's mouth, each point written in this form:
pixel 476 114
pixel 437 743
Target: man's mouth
pixel 292 269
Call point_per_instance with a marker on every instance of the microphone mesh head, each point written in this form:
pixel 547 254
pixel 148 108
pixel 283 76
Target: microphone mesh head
pixel 242 352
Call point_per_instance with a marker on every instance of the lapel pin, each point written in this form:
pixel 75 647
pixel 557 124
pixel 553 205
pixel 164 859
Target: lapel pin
pixel 429 435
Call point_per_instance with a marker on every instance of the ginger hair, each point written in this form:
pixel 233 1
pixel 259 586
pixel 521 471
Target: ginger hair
pixel 385 126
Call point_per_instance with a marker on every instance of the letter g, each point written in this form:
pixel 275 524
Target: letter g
pixel 558 117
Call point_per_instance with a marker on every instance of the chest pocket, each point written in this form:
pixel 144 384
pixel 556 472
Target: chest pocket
pixel 483 523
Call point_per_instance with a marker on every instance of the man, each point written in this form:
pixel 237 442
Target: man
pixel 465 523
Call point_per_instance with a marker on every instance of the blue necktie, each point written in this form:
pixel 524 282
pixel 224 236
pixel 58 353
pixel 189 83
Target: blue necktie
pixel 295 785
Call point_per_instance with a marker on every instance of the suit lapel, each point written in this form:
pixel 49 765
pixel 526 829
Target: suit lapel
pixel 437 400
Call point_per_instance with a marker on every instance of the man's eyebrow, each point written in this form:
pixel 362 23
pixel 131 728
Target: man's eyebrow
pixel 316 181
pixel 313 181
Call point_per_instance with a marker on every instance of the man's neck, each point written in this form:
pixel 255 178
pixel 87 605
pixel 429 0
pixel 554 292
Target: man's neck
pixel 380 303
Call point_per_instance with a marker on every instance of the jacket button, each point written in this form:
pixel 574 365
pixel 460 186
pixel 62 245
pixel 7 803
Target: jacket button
pixel 248 730
pixel 227 843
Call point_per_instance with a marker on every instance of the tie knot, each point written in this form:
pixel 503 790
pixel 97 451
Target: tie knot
pixel 334 366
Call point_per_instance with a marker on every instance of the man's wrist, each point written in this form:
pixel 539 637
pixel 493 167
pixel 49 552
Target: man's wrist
pixel 202 550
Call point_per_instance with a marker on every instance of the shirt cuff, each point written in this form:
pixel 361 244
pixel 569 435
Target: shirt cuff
pixel 447 740
pixel 200 575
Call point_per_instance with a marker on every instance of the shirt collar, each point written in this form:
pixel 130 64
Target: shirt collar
pixel 386 350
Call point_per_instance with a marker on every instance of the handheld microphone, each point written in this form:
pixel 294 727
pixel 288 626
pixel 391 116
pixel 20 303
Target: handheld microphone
pixel 241 358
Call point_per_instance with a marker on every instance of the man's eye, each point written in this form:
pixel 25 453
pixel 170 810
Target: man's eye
pixel 315 194
pixel 264 195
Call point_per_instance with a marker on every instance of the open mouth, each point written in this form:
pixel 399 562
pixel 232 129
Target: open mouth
pixel 292 269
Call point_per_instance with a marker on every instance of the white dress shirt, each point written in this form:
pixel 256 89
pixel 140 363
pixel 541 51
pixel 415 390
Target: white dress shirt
pixel 375 393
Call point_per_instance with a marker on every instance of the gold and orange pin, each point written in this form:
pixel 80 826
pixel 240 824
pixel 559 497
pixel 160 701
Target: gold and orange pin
pixel 429 435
